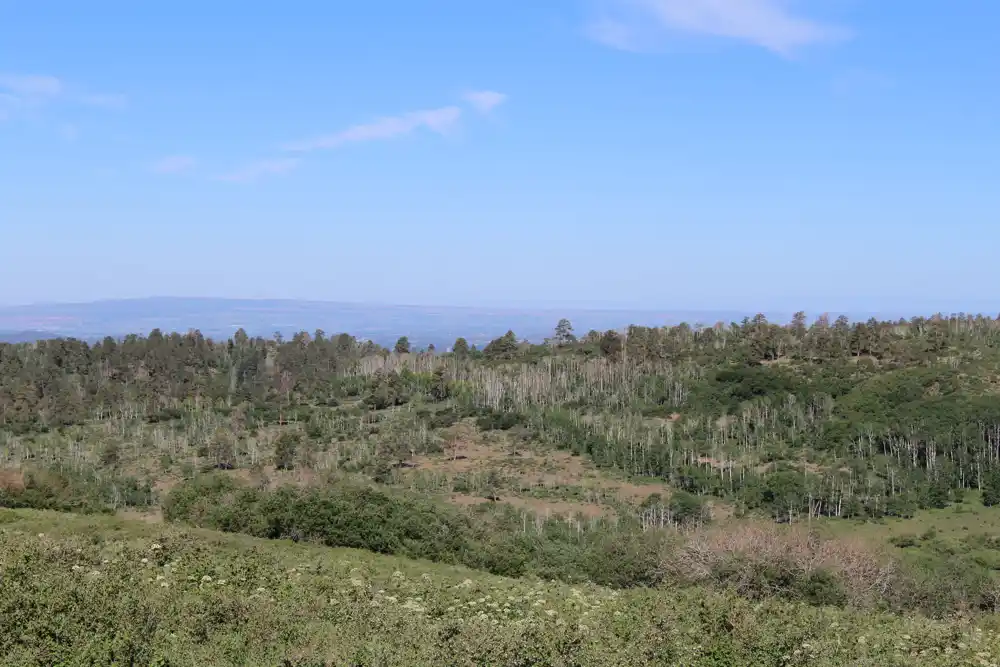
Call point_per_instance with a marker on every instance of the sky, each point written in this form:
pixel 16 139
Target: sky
pixel 692 154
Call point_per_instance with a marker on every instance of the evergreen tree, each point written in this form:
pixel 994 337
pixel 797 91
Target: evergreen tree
pixel 504 347
pixel 564 333
pixel 402 345
pixel 991 489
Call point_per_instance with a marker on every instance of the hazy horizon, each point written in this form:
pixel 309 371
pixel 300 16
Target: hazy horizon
pixel 894 308
pixel 382 323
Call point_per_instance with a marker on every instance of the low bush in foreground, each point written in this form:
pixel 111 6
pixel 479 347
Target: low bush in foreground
pixel 497 539
pixel 755 559
pixel 102 591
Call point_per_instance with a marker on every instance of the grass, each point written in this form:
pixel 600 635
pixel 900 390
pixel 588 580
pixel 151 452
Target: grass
pixel 107 590
pixel 957 521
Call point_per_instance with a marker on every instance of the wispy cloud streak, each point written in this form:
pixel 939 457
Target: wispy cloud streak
pixel 24 92
pixel 439 121
pixel 769 24
pixel 484 101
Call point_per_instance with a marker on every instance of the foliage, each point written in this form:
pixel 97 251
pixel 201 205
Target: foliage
pixel 346 514
pixel 74 491
pixel 798 424
pixel 112 592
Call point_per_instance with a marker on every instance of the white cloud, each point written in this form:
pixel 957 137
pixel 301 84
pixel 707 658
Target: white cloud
pixel 439 120
pixel 22 92
pixel 484 101
pixel 769 24
pixel 616 33
pixel 173 164
pixel 256 170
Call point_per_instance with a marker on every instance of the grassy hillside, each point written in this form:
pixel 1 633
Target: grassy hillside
pixel 699 481
pixel 105 590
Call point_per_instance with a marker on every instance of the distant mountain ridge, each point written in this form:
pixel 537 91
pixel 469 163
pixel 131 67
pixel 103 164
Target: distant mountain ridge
pixel 424 325
pixel 24 336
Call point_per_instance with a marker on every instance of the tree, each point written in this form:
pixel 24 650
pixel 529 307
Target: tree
pixel 564 333
pixel 504 347
pixel 402 345
pixel 461 347
pixel 991 489
pixel 440 387
pixel 285 448
pixel 799 325
pixel 222 449
pixel 611 343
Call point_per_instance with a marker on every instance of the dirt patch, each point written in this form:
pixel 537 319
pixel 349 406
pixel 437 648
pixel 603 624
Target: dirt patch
pixel 719 511
pixel 636 493
pixel 11 480
pixel 549 508
pixel 463 500
pixel 552 469
pixel 165 485
pixel 465 456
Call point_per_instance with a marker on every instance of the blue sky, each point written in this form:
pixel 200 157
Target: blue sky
pixel 709 154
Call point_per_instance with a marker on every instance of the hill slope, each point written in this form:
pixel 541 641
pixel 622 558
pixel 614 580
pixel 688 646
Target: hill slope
pixel 105 590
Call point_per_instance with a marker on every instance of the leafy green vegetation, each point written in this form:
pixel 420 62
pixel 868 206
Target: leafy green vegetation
pixel 831 465
pixel 108 591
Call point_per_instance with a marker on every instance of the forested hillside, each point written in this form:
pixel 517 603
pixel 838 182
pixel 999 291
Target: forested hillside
pixel 870 419
pixel 609 458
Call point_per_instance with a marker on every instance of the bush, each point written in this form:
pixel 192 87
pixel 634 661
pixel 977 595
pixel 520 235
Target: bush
pixel 65 602
pixel 490 537
pixel 73 491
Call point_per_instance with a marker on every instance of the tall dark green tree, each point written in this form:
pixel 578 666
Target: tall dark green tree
pixel 402 345
pixel 564 333
pixel 611 343
pixel 460 348
pixel 991 488
pixel 504 347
